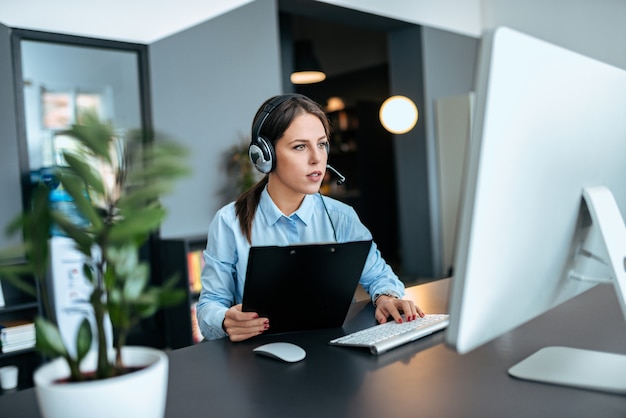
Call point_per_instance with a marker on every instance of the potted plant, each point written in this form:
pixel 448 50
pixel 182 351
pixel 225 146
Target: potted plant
pixel 241 173
pixel 115 184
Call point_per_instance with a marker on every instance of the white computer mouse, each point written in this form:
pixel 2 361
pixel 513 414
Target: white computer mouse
pixel 282 351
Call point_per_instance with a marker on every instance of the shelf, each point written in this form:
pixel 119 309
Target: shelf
pixel 16 353
pixel 15 307
pixel 27 361
pixel 182 257
pixel 19 305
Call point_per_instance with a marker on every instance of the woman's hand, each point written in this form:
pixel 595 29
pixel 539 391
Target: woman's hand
pixel 241 325
pixel 387 306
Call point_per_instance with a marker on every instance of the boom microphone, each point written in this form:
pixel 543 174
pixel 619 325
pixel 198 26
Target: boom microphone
pixel 341 179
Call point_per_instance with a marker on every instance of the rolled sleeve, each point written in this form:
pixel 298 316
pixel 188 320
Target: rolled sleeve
pixel 378 277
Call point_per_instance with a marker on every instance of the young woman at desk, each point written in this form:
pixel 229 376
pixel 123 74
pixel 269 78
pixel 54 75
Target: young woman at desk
pixel 290 135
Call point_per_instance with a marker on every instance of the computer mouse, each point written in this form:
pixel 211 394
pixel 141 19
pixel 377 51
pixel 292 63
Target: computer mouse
pixel 282 351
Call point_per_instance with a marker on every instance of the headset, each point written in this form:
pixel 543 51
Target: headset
pixel 261 151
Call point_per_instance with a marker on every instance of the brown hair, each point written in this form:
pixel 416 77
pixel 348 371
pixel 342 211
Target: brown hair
pixel 273 129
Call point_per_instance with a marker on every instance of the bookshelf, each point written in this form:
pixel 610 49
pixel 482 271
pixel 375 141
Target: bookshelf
pixel 182 257
pixel 19 307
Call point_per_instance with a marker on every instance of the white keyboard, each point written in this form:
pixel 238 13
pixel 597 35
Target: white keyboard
pixel 384 337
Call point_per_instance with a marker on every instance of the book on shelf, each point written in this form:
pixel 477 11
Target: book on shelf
pixel 195 262
pixel 2 303
pixel 16 325
pixel 16 330
pixel 23 345
pixel 17 334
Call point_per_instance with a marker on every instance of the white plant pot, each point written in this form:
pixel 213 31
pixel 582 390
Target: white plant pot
pixel 138 394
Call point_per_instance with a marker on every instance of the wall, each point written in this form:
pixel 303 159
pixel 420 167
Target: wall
pixel 207 83
pixel 459 16
pixel 10 185
pixel 593 28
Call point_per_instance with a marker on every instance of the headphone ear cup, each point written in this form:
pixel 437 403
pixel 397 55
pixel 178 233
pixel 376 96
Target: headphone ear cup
pixel 261 154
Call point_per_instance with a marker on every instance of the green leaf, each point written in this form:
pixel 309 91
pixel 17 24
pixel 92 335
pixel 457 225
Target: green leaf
pixel 155 298
pixel 49 339
pixel 109 278
pixel 136 282
pixel 172 297
pixel 88 273
pixel 93 134
pixel 147 304
pixel 75 186
pixel 84 338
pixel 137 198
pixel 15 225
pixel 84 241
pixel 124 258
pixel 118 311
pixel 160 171
pixel 85 171
pixel 36 229
pixel 149 220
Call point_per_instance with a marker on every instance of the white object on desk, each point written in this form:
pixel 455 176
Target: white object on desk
pixel 583 368
pixel 282 351
pixel 384 337
pixel 574 367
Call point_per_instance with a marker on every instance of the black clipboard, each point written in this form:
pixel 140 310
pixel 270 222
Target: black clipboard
pixel 302 287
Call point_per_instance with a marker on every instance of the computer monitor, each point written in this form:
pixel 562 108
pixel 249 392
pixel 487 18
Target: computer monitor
pixel 541 216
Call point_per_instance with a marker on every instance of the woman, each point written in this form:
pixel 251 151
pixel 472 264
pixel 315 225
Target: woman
pixel 290 135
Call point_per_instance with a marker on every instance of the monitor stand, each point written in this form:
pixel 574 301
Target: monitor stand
pixel 584 368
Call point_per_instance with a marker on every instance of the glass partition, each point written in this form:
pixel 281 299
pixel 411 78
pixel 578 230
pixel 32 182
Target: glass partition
pixel 59 77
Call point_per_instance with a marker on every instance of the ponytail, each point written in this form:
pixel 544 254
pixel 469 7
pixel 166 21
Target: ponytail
pixel 245 207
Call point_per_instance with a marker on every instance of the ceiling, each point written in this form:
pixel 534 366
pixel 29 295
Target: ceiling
pixel 147 21
pixel 139 21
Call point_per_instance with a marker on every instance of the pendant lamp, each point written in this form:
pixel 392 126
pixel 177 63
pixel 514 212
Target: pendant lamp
pixel 307 69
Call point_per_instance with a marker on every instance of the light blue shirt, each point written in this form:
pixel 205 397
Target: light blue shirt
pixel 226 254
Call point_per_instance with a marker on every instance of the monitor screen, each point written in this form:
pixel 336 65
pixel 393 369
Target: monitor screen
pixel 549 124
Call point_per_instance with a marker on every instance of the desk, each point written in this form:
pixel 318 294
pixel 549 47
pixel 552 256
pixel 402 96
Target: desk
pixel 424 378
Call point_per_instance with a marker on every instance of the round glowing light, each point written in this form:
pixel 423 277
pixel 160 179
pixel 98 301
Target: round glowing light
pixel 398 114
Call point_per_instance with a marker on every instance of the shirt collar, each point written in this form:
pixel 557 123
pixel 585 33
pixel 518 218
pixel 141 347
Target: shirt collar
pixel 272 214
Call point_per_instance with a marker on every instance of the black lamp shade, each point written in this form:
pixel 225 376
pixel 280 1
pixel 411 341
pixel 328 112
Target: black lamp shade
pixel 307 68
